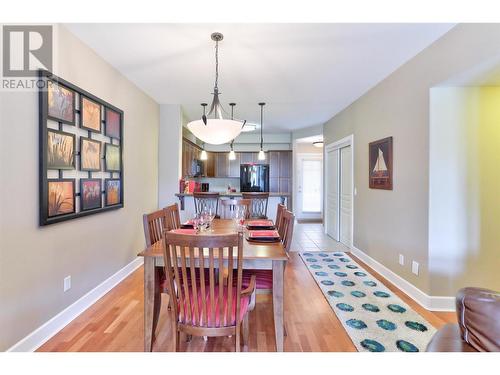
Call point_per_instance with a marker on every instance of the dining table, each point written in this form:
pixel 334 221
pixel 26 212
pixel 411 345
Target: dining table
pixel 256 255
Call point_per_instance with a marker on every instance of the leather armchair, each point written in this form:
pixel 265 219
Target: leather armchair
pixel 478 328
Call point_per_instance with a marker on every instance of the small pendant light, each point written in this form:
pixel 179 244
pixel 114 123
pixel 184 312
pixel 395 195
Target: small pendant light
pixel 203 155
pixel 262 155
pixel 232 154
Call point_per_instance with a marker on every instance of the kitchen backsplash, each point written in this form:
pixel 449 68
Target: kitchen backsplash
pixel 219 184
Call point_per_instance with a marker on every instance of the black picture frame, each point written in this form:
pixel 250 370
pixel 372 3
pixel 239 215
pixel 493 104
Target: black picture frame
pixel 107 132
pixel 43 120
pixel 107 168
pixel 88 139
pixel 57 81
pixel 82 126
pixel 83 206
pixel 106 192
pixel 380 164
pixel 61 167
pixel 50 204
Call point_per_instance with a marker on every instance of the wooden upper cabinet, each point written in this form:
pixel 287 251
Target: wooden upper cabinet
pixel 210 164
pixel 285 185
pixel 234 166
pixel 273 158
pixel 246 158
pixel 222 165
pixel 285 164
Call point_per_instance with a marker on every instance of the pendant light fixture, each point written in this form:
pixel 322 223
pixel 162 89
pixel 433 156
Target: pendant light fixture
pixel 262 155
pixel 203 155
pixel 232 154
pixel 216 130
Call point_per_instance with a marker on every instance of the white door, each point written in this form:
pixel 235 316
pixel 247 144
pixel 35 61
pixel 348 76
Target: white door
pixel 345 195
pixel 332 191
pixel 310 178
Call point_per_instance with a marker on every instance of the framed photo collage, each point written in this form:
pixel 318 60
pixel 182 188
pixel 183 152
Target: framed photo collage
pixel 81 147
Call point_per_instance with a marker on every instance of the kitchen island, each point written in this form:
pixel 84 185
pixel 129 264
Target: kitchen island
pixel 188 211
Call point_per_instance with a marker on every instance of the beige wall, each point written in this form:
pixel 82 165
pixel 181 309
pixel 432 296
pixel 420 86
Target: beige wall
pixel 464 188
pixel 388 223
pixel 34 260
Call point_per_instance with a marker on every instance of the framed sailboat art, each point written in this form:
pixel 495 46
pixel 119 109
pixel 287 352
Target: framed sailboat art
pixel 380 173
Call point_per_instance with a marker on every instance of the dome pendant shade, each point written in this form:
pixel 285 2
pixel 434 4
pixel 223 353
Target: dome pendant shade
pixel 216 131
pixel 232 155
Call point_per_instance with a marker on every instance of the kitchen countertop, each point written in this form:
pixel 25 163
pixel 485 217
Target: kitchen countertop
pixel 236 194
pixel 280 195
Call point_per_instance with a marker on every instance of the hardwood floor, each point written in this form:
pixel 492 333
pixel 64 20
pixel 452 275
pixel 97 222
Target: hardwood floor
pixel 115 322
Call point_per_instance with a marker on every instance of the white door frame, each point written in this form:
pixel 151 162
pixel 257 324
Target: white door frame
pixel 308 156
pixel 337 145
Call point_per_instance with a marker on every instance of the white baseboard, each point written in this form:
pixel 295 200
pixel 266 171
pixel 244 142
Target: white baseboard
pixel 43 333
pixel 433 303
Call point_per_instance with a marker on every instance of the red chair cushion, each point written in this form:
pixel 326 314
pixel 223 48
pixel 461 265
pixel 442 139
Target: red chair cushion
pixel 263 278
pixel 229 318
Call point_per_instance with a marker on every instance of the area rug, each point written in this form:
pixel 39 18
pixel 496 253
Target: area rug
pixel 375 318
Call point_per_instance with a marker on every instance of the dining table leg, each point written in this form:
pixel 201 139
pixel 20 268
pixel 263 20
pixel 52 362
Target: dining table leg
pixel 278 293
pixel 149 301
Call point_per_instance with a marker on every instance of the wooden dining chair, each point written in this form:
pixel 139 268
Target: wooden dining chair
pixel 213 306
pixel 203 200
pixel 279 214
pixel 154 225
pixel 172 217
pixel 229 205
pixel 264 278
pixel 258 208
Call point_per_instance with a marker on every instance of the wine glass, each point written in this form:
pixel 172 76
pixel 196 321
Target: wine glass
pixel 211 217
pixel 240 217
pixel 196 223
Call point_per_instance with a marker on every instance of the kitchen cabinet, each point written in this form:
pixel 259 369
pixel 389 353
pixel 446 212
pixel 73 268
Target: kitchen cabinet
pixel 274 164
pixel 209 164
pixel 274 184
pixel 234 166
pixel 190 152
pixel 246 158
pixel 285 185
pixel 285 164
pixel 222 165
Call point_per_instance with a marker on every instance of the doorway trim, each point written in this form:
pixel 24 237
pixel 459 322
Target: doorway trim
pixel 337 145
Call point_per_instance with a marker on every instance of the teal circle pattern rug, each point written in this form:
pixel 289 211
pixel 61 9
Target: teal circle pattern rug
pixel 374 317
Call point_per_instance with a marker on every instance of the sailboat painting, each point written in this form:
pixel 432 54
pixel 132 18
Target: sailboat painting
pixel 380 173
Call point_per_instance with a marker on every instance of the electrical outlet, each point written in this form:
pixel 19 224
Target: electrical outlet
pixel 414 267
pixel 67 283
pixel 401 259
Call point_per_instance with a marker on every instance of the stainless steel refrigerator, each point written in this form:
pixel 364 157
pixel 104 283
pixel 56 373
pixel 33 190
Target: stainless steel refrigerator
pixel 254 177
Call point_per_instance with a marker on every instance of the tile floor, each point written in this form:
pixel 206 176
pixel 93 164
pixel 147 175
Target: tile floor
pixel 312 237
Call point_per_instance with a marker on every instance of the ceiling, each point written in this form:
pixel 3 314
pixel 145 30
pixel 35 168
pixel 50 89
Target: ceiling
pixel 306 73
